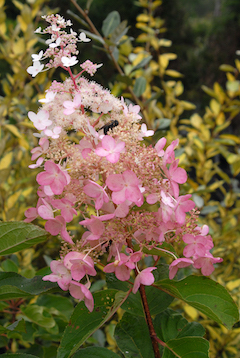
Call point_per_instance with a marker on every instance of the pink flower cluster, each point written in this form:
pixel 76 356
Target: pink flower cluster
pixel 105 168
pixel 74 267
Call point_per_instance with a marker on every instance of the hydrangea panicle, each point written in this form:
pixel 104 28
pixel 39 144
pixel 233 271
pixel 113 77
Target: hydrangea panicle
pixel 131 189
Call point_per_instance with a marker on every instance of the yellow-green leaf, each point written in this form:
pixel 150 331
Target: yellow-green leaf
pixel 231 285
pixel 13 129
pixel 178 88
pixel 188 105
pixel 216 185
pixel 209 91
pixel 6 161
pixel 18 4
pixel 215 106
pixel 227 68
pixel 18 47
pixel 198 142
pixel 232 86
pixel 163 61
pixel 230 136
pixel 165 43
pixel 12 199
pixel 237 63
pixel 170 56
pixel 196 120
pixel 143 18
pixel 173 73
pixel 3 28
pixel 232 158
pixel 31 43
pixel 220 119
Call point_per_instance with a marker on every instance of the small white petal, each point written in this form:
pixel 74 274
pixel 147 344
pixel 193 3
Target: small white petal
pixel 37 57
pixel 35 69
pixel 38 30
pixel 55 44
pixel 55 28
pixel 69 61
pixel 83 37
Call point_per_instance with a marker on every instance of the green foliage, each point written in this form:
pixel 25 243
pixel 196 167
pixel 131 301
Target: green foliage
pixel 16 236
pixel 50 314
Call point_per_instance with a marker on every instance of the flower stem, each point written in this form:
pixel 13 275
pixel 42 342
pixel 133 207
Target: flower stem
pixel 148 317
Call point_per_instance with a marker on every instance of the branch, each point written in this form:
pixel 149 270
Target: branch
pixel 148 317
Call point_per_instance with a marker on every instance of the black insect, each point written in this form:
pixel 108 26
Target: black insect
pixel 108 246
pixel 109 125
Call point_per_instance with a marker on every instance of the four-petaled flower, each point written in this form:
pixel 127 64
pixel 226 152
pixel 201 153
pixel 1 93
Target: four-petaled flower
pixel 79 265
pixel 110 149
pixel 69 61
pixel 35 68
pixel 95 191
pixel 145 277
pixel 40 120
pixel 60 274
pixel 54 177
pixel 178 263
pixel 121 266
pixel 125 186
pixel 71 106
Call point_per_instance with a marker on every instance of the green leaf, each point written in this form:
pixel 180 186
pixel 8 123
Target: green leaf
pixel 119 32
pixel 84 323
pixel 88 4
pixel 157 301
pixel 14 286
pixel 9 265
pixel 187 347
pixel 124 79
pixel 209 209
pixel 110 23
pixel 115 53
pixel 140 86
pixel 132 336
pixel 39 315
pixel 161 123
pixel 170 325
pixel 17 326
pixel 16 236
pixel 205 295
pixel 95 352
pixel 173 329
pixel 61 306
